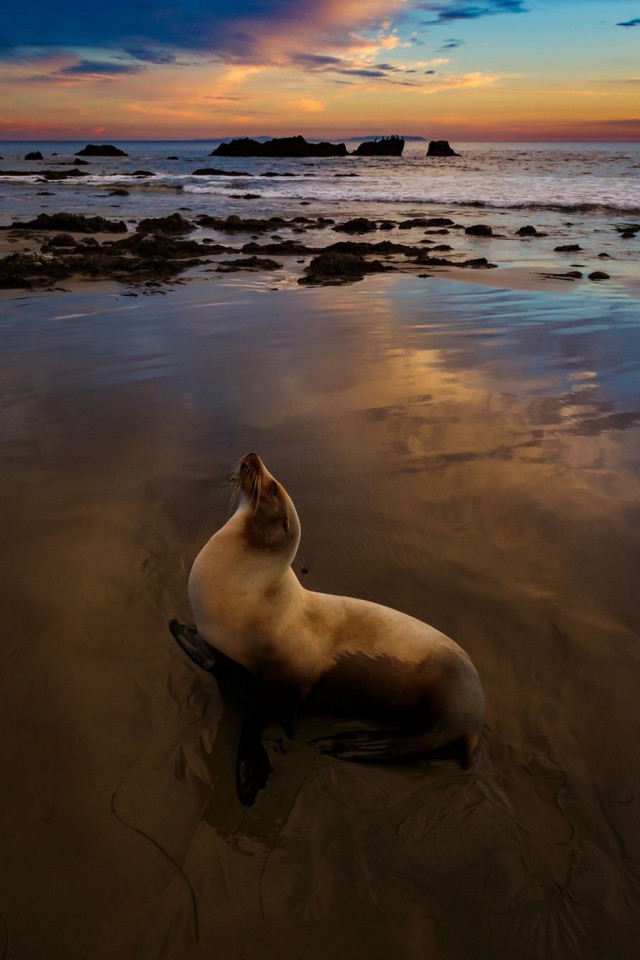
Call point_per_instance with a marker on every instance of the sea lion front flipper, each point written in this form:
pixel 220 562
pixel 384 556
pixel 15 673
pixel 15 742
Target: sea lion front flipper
pixel 253 767
pixel 193 645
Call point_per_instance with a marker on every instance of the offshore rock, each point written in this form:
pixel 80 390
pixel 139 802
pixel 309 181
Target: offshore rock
pixel 100 150
pixel 441 148
pixel 34 155
pixel 279 147
pixel 381 147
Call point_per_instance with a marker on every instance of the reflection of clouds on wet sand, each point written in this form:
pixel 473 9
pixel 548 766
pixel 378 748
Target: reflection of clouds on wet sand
pixel 468 455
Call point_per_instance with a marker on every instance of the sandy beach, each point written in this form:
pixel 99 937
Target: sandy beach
pixel 467 453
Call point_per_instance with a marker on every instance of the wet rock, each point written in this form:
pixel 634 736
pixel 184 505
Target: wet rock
pixel 604 256
pixel 216 172
pixel 361 247
pixel 235 224
pixel 356 225
pixel 62 240
pixel 479 230
pixel 172 157
pixel 279 147
pixel 100 150
pixel 628 234
pixel 628 228
pixel 120 192
pixel 332 266
pixel 283 247
pixel 443 247
pixel 62 174
pixel 162 245
pixel 568 248
pixel 414 222
pixel 249 263
pixel 441 148
pixel 599 275
pixel 174 223
pixel 143 173
pixel 439 222
pixel 34 155
pixel 528 231
pixel 245 196
pixel 22 270
pixel 386 225
pixel 72 223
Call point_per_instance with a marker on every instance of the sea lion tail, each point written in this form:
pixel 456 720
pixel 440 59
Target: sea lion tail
pixel 387 746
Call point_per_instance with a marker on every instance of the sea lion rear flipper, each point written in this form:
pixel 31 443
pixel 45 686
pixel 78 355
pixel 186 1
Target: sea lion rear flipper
pixel 381 746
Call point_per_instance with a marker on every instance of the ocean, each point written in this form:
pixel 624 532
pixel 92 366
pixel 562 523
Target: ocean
pixel 572 192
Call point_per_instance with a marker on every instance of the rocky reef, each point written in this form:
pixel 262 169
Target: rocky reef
pixel 279 147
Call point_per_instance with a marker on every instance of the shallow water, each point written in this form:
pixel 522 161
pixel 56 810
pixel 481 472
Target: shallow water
pixel 468 454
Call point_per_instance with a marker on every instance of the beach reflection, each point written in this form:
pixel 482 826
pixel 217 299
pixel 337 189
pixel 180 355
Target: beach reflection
pixel 468 454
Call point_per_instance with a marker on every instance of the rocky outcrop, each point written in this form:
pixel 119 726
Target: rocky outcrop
pixel 441 148
pixel 381 147
pixel 479 230
pixel 279 147
pixel 174 223
pixel 71 223
pixel 100 150
pixel 332 266
pixel 34 155
pixel 216 172
pixel 356 225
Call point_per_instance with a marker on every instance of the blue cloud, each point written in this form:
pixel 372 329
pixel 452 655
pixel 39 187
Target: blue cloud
pixel 451 44
pixel 458 10
pixel 93 67
pixel 629 23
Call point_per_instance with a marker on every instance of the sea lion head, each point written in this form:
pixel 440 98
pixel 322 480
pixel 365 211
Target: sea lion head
pixel 271 521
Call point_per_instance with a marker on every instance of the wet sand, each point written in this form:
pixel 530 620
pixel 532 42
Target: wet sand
pixel 468 454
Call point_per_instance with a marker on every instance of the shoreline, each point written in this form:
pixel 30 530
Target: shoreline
pixel 144 254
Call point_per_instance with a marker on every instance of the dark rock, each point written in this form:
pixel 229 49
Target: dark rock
pixel 235 224
pixel 63 174
pixel 628 234
pixel 62 240
pixel 356 225
pixel 599 275
pixel 120 192
pixel 441 148
pixel 143 173
pixel 528 231
pixel 568 248
pixel 163 245
pixel 386 225
pixel 444 247
pixel 34 155
pixel 346 174
pixel 440 231
pixel 274 173
pixel 216 172
pixel 414 222
pixel 479 230
pixel 574 274
pixel 245 196
pixel 283 247
pixel 72 223
pixel 439 222
pixel 604 256
pixel 381 147
pixel 100 150
pixel 331 266
pixel 173 158
pixel 279 147
pixel 383 247
pixel 251 263
pixel 175 223
pixel 625 228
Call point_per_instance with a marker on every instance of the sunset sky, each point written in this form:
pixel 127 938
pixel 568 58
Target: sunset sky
pixel 495 69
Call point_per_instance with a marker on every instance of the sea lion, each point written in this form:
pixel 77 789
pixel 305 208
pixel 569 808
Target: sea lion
pixel 352 656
